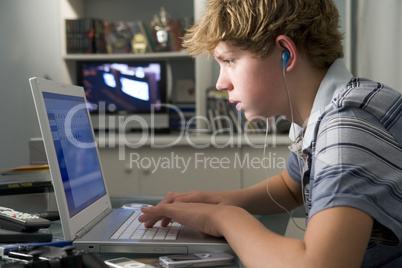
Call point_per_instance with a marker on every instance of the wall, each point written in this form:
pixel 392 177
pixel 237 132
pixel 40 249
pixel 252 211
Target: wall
pixel 29 46
pixel 378 39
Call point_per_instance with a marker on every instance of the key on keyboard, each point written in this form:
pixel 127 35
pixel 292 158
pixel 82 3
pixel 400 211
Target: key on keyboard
pixel 133 229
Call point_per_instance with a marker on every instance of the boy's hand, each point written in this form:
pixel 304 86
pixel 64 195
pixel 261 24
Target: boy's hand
pixel 200 216
pixel 156 213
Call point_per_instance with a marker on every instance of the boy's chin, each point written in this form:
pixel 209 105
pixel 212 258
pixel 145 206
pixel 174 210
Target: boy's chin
pixel 254 117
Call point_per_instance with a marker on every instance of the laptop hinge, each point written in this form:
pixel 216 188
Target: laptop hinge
pixel 90 225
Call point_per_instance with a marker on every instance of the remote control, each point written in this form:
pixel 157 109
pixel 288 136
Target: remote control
pixel 19 221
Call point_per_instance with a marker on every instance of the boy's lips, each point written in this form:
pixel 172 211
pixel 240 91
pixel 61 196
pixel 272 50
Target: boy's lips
pixel 238 104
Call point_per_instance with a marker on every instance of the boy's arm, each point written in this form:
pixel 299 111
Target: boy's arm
pixel 283 189
pixel 335 237
pixel 254 199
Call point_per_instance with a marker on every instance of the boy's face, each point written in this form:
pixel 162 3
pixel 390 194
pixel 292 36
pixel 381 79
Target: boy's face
pixel 254 85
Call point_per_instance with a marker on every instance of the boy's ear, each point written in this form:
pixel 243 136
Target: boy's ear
pixel 284 43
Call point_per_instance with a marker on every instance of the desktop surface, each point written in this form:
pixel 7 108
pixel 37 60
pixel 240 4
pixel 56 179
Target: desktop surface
pixel 276 223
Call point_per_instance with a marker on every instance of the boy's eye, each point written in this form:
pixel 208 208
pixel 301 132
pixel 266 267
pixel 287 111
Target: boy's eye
pixel 225 61
pixel 230 62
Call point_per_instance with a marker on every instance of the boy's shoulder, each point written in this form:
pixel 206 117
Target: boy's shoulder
pixel 368 95
pixel 379 100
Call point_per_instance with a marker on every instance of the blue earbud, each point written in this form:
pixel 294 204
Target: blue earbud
pixel 285 57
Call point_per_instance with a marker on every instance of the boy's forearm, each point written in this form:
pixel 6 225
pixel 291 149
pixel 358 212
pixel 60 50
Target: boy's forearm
pixel 256 200
pixel 255 242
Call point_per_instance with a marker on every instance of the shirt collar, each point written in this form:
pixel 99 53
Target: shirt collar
pixel 336 79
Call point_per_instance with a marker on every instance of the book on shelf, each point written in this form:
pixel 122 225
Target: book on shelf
pixel 85 36
pixel 211 120
pixel 175 33
pixel 90 35
pixel 224 117
pixel 99 41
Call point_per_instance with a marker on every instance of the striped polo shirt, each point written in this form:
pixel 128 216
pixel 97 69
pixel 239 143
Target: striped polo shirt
pixel 352 156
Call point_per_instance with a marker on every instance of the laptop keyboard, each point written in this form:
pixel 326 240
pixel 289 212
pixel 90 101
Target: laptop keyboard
pixel 133 229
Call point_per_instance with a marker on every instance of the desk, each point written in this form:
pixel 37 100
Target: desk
pixel 276 223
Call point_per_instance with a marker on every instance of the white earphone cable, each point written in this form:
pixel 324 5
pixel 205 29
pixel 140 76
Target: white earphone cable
pixel 298 158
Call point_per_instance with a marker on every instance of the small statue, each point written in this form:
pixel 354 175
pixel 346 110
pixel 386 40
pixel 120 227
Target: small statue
pixel 161 27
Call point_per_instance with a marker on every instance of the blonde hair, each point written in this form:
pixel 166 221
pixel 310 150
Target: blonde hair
pixel 253 25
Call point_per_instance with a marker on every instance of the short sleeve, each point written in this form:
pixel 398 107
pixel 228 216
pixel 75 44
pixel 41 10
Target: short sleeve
pixel 358 164
pixel 292 167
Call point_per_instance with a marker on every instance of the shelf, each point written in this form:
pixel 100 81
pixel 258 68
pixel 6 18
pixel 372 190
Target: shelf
pixel 104 140
pixel 126 56
pixel 196 140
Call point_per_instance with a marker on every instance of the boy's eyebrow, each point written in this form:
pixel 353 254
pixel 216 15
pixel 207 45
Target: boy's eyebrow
pixel 218 57
pixel 223 55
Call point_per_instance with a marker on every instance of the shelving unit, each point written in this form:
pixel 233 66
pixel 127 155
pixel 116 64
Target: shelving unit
pixel 183 65
pixel 118 157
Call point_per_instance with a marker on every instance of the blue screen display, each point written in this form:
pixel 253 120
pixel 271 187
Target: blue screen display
pixel 76 150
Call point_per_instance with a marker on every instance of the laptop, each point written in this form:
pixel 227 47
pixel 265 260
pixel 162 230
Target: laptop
pixel 84 205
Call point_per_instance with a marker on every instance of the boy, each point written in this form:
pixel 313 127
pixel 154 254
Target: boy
pixel 282 57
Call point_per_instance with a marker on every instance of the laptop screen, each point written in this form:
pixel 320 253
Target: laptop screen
pixel 76 152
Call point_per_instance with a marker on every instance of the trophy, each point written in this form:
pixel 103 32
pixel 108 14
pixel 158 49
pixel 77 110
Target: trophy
pixel 139 43
pixel 161 27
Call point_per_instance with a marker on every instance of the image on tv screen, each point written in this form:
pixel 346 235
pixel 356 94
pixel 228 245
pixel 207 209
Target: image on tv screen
pixel 116 87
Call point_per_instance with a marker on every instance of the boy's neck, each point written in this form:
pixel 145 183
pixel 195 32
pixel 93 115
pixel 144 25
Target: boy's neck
pixel 304 86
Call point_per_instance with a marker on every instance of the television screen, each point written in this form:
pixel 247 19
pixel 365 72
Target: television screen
pixel 129 86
